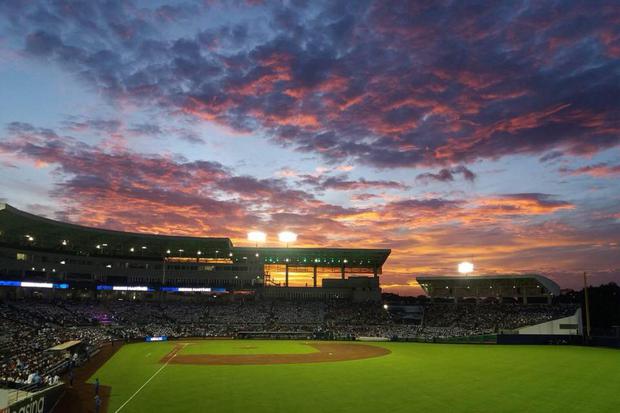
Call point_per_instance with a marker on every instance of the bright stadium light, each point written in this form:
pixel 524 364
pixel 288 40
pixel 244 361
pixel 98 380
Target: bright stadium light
pixel 466 268
pixel 257 237
pixel 287 237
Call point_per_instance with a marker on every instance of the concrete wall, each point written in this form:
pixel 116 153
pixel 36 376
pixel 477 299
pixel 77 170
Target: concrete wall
pixel 557 327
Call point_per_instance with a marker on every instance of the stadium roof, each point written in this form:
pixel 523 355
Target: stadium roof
pixel 16 226
pixel 32 231
pixel 352 257
pixel 427 283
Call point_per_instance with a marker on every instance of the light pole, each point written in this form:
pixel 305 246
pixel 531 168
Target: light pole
pixel 465 268
pixel 587 305
pixel 257 237
pixel 287 237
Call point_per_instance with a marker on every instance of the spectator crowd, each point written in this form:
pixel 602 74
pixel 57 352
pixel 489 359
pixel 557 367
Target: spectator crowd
pixel 30 328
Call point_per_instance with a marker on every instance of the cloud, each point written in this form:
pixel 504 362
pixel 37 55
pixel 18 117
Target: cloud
pixel 600 170
pixel 447 175
pixel 341 183
pixel 523 204
pixel 377 84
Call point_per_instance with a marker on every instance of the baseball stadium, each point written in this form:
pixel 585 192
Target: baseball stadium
pixel 96 320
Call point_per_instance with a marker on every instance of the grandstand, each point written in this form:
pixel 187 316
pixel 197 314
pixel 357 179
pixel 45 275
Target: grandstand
pixel 70 256
pixel 523 287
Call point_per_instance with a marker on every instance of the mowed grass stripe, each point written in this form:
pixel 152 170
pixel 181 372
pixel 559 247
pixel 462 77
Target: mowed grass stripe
pixel 422 377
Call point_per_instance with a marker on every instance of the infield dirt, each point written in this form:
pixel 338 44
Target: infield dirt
pixel 326 352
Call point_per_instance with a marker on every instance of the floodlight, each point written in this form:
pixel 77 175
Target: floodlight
pixel 287 236
pixel 466 267
pixel 257 236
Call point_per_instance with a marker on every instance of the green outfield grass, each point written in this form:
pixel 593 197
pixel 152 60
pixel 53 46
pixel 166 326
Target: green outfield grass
pixel 413 378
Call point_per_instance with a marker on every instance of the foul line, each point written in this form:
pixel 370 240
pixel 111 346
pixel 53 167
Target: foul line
pixel 148 381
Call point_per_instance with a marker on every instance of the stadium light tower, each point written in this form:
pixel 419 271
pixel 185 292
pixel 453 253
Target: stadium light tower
pixel 287 237
pixel 257 237
pixel 466 268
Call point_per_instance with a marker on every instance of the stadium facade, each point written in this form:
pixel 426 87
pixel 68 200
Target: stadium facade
pixel 44 253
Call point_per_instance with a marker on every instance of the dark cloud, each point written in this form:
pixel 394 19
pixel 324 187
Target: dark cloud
pixel 379 83
pixel 447 175
pixel 551 156
pixel 343 183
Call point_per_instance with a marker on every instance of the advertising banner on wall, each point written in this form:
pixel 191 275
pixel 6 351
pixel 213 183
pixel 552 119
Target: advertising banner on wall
pixel 39 402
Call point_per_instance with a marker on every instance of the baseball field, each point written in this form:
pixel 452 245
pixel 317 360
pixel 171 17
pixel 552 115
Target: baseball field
pixel 297 376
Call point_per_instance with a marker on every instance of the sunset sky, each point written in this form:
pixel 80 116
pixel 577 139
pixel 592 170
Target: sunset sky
pixel 445 130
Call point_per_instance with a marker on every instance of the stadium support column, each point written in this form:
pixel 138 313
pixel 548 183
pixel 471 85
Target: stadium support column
pixel 342 271
pixel 314 276
pixel 375 271
pixel 286 275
